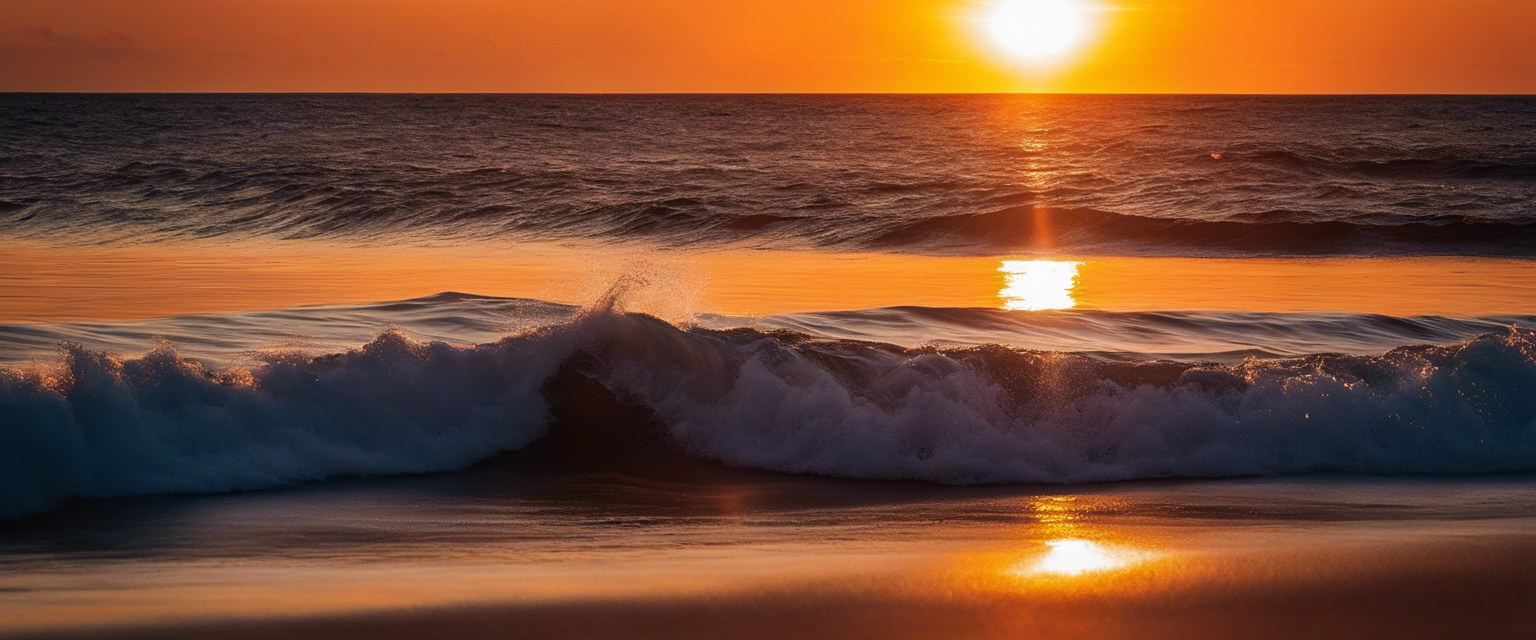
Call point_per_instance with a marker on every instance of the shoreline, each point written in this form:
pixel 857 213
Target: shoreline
pixel 1269 558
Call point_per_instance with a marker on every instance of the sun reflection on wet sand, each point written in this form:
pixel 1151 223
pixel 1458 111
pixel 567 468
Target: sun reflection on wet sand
pixel 1071 548
pixel 1038 285
pixel 1074 557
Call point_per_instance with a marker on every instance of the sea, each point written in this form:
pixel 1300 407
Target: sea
pixel 767 365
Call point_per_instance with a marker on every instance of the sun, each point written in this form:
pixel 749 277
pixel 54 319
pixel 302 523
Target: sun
pixel 1039 31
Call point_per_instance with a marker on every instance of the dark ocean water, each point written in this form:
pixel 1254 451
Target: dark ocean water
pixel 1111 175
pixel 954 396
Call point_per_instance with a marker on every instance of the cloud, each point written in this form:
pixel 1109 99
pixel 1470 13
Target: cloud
pixel 42 40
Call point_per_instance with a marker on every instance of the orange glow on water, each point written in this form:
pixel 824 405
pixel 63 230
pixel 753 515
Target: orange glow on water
pixel 40 283
pixel 1038 285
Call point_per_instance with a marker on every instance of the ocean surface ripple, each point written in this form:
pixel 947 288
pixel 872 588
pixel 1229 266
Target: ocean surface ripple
pixel 1109 175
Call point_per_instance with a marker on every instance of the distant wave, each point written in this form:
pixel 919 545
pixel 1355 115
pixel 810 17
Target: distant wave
pixel 1264 233
pixel 1444 166
pixel 1026 228
pixel 1112 175
pixel 96 425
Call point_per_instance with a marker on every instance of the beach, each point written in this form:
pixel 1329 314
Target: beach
pixel 480 554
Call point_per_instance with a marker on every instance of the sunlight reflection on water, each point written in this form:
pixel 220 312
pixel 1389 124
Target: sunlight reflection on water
pixel 1037 285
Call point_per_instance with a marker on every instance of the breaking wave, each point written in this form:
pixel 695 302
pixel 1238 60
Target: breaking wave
pixel 94 425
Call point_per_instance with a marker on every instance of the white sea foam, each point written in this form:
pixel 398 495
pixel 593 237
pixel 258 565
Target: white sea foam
pixel 994 415
pixel 95 425
pixel 100 426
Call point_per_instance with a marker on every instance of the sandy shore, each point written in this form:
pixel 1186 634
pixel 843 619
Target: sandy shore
pixel 1481 589
pixel 476 554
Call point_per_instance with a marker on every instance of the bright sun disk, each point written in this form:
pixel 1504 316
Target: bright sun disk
pixel 1036 31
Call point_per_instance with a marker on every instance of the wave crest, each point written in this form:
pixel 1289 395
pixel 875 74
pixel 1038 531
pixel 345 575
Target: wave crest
pixel 997 415
pixel 95 425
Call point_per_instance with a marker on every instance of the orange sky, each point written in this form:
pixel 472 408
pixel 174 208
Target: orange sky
pixel 1179 46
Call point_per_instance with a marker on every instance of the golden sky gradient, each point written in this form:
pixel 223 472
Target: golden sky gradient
pixel 1155 46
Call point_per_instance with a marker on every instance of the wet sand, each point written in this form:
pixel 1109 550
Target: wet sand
pixel 1484 592
pixel 486 554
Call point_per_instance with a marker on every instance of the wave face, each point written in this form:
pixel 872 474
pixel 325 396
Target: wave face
pixel 101 426
pixel 97 425
pixel 1172 175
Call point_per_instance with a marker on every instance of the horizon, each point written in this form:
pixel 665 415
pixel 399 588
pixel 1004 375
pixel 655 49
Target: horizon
pixel 774 93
